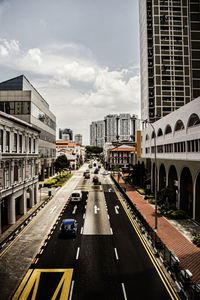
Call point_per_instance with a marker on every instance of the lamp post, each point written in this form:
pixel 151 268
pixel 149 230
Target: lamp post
pixel 155 175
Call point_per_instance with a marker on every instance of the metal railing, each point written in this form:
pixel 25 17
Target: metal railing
pixel 187 289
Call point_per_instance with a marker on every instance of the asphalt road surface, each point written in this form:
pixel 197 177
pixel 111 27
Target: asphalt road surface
pixel 109 258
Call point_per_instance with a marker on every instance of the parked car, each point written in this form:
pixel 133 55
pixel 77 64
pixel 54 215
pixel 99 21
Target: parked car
pixel 76 196
pixel 69 227
pixel 90 166
pixel 96 180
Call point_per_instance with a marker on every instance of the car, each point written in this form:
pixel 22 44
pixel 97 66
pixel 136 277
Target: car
pixel 96 171
pixel 87 175
pixel 96 180
pixel 76 196
pixel 105 173
pixel 90 166
pixel 68 227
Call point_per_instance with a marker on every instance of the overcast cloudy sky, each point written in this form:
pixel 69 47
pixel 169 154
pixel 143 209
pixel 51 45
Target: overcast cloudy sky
pixel 81 55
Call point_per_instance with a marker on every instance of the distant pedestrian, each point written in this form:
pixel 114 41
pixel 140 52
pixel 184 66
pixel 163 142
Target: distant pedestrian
pixel 124 189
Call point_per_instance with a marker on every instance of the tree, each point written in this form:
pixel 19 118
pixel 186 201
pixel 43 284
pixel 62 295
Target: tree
pixel 166 197
pixel 138 174
pixel 61 163
pixel 91 150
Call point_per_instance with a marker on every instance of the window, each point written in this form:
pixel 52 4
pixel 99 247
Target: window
pixel 20 143
pixel 29 145
pixel 34 146
pixel 1 140
pixel 179 125
pixel 18 108
pixel 10 108
pixel 168 129
pixel 15 173
pixel 160 132
pixel 15 142
pixel 26 108
pixel 193 120
pixel 7 141
pixel 153 135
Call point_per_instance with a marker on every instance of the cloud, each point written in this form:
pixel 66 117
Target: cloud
pixel 35 55
pixel 9 47
pixel 78 89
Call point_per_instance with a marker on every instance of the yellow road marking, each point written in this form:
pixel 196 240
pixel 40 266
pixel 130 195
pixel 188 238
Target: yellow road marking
pixel 32 279
pixel 148 250
pixel 36 261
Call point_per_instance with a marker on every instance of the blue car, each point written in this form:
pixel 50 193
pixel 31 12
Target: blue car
pixel 68 228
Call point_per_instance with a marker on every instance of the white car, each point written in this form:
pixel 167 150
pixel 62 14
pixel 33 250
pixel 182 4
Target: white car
pixel 105 173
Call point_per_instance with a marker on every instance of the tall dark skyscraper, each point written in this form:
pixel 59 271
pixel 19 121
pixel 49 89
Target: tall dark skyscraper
pixel 169 55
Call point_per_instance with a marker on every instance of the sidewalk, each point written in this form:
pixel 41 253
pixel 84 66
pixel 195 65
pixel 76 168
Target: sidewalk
pixel 176 235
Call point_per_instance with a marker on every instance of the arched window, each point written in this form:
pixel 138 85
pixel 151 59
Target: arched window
pixel 160 132
pixel 153 135
pixel 193 120
pixel 179 125
pixel 168 129
pixel 147 137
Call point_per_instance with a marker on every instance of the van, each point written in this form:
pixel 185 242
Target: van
pixel 76 196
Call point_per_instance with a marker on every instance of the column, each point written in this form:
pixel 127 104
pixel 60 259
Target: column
pixel 23 206
pixel 36 193
pixel 31 196
pixel 11 210
pixel 0 219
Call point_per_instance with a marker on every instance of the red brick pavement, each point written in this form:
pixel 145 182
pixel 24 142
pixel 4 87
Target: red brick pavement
pixel 188 253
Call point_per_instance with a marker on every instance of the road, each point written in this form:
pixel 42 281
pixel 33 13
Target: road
pixel 109 258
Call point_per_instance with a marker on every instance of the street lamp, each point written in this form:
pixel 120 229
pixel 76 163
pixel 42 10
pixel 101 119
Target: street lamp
pixel 155 175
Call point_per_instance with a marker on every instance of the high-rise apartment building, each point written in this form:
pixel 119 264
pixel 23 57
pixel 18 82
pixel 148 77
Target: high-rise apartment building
pixel 169 55
pixel 114 128
pixel 78 139
pixel 66 134
pixel 97 133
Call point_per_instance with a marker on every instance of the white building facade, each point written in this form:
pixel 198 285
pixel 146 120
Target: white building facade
pixel 177 140
pixel 18 168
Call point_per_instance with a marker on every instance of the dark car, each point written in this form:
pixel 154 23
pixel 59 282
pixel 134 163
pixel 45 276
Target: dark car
pixel 87 175
pixel 68 228
pixel 96 171
pixel 96 180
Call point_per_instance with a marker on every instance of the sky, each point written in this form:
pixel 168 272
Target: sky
pixel 81 55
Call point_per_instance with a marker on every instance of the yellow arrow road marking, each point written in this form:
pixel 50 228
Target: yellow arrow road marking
pixel 32 279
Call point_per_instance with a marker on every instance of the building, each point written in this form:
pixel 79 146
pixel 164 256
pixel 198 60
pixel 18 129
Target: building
pixel 97 133
pixel 78 139
pixel 169 52
pixel 19 98
pixel 175 139
pixel 66 135
pixel 18 168
pixel 75 153
pixel 121 156
pixel 114 128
